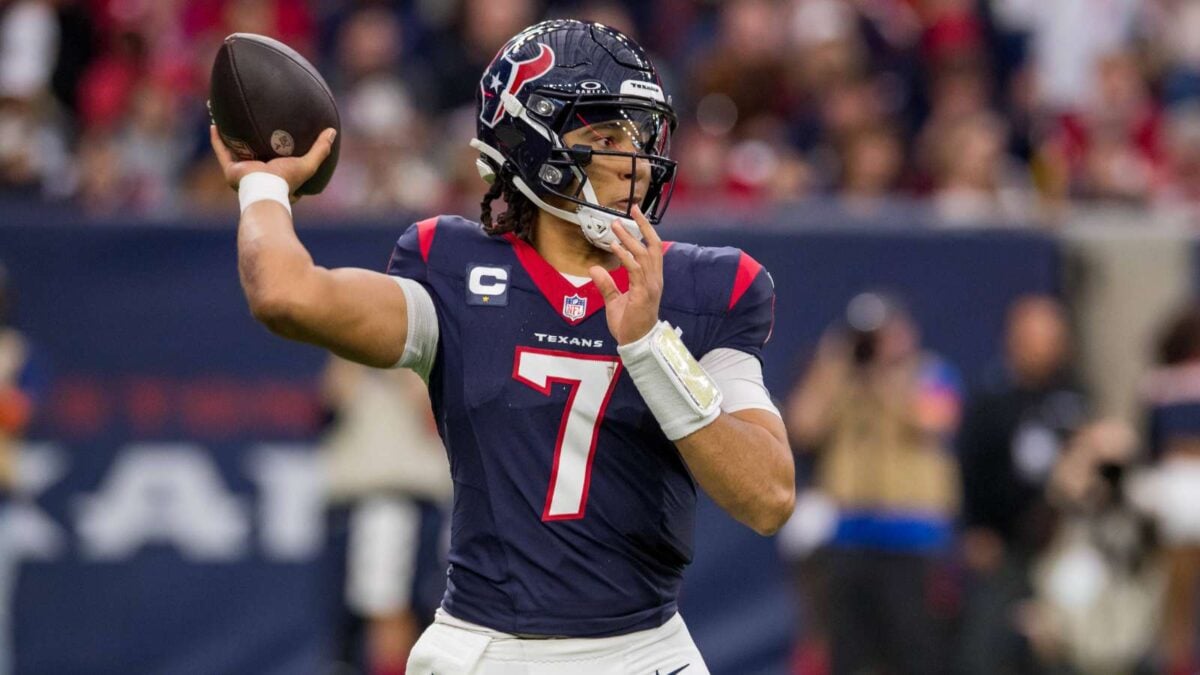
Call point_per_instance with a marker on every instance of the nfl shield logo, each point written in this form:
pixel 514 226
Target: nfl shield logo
pixel 574 307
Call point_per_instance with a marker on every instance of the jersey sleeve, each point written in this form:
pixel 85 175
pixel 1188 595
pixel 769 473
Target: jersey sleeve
pixel 749 311
pixel 410 257
pixel 409 267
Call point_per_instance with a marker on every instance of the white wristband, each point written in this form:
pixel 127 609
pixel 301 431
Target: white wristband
pixel 680 394
pixel 260 186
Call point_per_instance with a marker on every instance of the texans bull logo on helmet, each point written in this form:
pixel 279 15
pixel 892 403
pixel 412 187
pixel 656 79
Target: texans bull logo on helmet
pixel 506 75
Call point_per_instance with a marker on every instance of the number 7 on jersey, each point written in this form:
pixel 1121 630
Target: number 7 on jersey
pixel 592 379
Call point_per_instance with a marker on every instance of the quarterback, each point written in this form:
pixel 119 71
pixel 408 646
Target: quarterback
pixel 585 375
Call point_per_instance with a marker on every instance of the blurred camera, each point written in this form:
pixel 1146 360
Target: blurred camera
pixel 866 315
pixel 1113 475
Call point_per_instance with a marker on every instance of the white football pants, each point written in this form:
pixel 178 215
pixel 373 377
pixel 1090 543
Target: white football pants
pixel 454 647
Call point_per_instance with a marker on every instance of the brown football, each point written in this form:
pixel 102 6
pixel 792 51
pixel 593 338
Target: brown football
pixel 268 101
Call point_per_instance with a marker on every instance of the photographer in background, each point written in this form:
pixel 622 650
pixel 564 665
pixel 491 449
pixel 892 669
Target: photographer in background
pixel 389 489
pixel 879 412
pixel 1015 428
pixel 1171 395
pixel 1098 588
pixel 23 382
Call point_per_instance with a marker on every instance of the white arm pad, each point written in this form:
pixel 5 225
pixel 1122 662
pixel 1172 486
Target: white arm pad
pixel 682 397
pixel 420 345
pixel 739 377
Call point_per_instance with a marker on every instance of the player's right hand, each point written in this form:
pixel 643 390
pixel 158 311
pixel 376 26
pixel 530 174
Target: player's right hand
pixel 294 170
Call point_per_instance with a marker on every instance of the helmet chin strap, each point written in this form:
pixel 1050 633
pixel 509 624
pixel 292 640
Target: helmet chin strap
pixel 596 224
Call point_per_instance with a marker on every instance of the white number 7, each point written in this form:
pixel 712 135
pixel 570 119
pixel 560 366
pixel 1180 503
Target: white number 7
pixel 592 380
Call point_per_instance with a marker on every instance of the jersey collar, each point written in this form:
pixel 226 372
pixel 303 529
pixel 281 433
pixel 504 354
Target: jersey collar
pixel 573 305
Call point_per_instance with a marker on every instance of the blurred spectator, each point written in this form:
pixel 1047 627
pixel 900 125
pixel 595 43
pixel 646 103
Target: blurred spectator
pixel 984 98
pixel 383 166
pixel 1067 38
pixel 1172 397
pixel 745 61
pixel 28 45
pixel 1181 143
pixel 1013 433
pixel 32 149
pixel 461 54
pixel 975 182
pixel 388 480
pixel 22 384
pixel 871 164
pixel 958 92
pixel 152 153
pixel 1099 586
pixel 850 107
pixel 1112 144
pixel 287 20
pixel 827 47
pixel 109 81
pixel 878 411
pixel 1177 24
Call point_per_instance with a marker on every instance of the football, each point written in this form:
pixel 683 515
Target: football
pixel 268 101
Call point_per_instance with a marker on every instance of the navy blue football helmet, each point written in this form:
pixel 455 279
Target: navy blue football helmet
pixel 558 76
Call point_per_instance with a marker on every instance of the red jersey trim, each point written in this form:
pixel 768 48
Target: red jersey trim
pixel 748 269
pixel 425 231
pixel 556 289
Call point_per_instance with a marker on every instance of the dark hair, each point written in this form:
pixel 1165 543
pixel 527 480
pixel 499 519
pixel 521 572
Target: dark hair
pixel 1180 342
pixel 519 212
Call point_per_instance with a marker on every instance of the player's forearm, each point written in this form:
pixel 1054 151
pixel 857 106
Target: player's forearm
pixel 357 314
pixel 745 468
pixel 272 262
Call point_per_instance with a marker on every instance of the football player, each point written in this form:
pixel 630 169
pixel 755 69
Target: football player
pixel 585 375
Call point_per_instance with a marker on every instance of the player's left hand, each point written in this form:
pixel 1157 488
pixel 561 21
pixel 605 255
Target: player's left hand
pixel 633 313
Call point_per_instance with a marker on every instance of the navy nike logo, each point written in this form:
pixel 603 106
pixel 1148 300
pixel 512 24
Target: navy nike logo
pixel 673 672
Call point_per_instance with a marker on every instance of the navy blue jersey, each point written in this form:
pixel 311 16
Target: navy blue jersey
pixel 1173 396
pixel 573 513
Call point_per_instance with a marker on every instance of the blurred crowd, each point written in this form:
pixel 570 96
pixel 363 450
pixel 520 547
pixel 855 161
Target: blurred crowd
pixel 1004 529
pixel 985 110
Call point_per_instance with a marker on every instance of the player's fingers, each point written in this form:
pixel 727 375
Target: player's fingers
pixel 320 150
pixel 649 235
pixel 637 276
pixel 654 245
pixel 629 241
pixel 223 155
pixel 230 166
pixel 604 283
